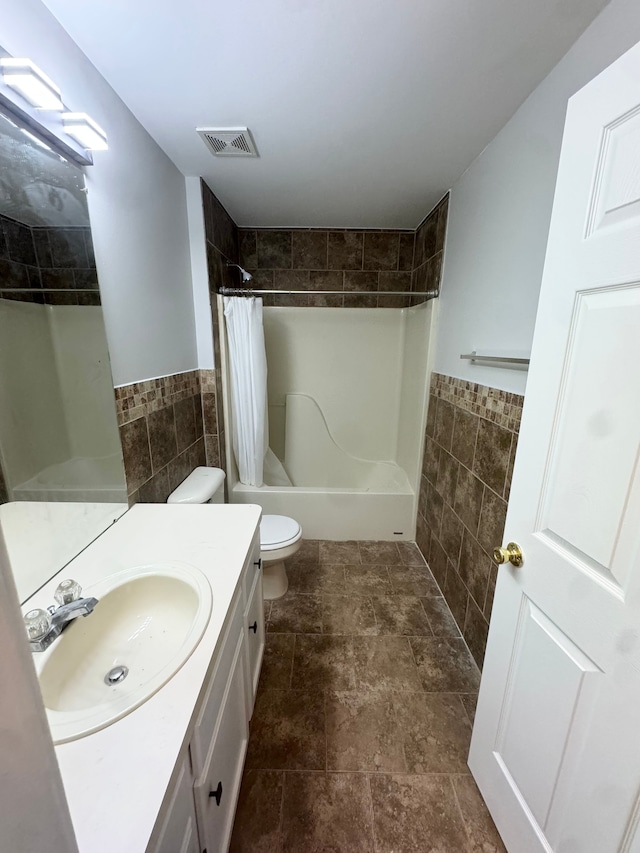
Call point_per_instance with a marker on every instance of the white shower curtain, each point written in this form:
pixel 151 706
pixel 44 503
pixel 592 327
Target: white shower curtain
pixel 248 374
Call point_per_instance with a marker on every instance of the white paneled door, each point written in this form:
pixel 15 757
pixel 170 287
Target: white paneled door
pixel 556 742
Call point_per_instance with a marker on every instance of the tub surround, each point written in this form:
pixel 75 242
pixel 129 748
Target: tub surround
pixel 470 445
pixel 166 427
pixel 58 429
pixel 126 768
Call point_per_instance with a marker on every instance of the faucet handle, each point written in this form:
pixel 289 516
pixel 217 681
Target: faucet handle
pixel 37 623
pixel 67 591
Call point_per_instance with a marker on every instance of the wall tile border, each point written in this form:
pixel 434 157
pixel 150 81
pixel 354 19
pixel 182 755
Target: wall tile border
pixel 493 404
pixel 139 399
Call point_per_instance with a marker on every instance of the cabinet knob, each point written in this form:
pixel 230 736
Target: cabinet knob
pixel 254 627
pixel 258 563
pixel 217 794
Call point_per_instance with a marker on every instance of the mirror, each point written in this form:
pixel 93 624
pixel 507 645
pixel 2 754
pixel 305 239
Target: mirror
pixel 59 440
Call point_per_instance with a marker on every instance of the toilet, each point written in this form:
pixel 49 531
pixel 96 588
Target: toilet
pixel 280 536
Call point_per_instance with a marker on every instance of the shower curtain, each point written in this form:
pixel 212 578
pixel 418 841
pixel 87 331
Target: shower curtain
pixel 248 377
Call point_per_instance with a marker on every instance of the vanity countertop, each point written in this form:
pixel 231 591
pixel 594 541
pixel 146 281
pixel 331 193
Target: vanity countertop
pixel 116 778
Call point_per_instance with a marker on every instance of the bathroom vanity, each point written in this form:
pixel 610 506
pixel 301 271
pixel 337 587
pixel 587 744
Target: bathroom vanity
pixel 165 777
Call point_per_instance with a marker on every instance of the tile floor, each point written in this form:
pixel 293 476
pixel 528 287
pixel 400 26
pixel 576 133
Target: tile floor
pixel 361 729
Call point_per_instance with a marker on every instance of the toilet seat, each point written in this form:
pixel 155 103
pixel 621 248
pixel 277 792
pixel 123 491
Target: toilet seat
pixel 278 531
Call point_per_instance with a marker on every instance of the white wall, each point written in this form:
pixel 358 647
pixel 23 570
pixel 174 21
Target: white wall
pixel 137 206
pixel 500 210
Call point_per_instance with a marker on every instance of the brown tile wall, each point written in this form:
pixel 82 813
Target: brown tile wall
pixel 331 260
pixel 470 445
pixel 346 260
pixel 429 250
pixel 36 258
pixel 162 423
pixel 221 235
pixel 213 441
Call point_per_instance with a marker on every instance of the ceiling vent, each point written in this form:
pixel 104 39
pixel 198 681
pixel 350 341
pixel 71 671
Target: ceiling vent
pixel 229 141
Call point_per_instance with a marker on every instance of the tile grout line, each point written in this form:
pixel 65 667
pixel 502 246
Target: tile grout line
pixel 462 817
pixel 372 812
pixel 293 657
pixel 289 771
pixel 413 655
pixel 514 440
pixel 326 739
pixel 426 615
pixel 281 818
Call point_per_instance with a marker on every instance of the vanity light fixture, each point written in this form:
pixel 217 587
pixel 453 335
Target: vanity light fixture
pixel 34 139
pixel 32 83
pixel 84 129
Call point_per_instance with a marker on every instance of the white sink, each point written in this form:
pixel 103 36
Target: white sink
pixel 148 619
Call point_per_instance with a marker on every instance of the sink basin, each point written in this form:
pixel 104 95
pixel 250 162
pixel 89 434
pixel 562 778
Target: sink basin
pixel 147 622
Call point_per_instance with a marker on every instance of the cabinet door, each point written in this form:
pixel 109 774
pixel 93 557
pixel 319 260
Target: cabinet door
pixel 209 714
pixel 179 832
pixel 252 566
pixel 254 630
pixel 216 791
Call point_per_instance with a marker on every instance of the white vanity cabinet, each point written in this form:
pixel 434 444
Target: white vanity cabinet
pixel 179 830
pixel 199 808
pixel 253 627
pixel 216 788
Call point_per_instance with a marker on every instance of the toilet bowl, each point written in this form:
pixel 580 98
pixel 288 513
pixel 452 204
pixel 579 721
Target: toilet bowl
pixel 280 536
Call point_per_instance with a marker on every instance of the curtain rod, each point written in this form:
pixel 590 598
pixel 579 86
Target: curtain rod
pixel 247 291
pixel 49 290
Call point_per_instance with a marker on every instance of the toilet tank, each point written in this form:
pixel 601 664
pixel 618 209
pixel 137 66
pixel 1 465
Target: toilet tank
pixel 203 485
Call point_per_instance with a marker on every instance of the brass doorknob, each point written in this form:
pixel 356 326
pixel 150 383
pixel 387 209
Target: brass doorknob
pixel 511 554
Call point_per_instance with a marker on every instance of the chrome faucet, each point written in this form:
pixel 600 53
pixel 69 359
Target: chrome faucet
pixel 43 626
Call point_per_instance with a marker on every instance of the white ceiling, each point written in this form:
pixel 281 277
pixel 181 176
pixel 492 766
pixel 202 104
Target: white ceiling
pixel 364 111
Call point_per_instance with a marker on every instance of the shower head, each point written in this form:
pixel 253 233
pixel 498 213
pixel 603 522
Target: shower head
pixel 246 276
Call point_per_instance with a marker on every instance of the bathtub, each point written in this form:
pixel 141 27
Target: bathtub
pixel 379 503
pixel 340 514
pixel 81 479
